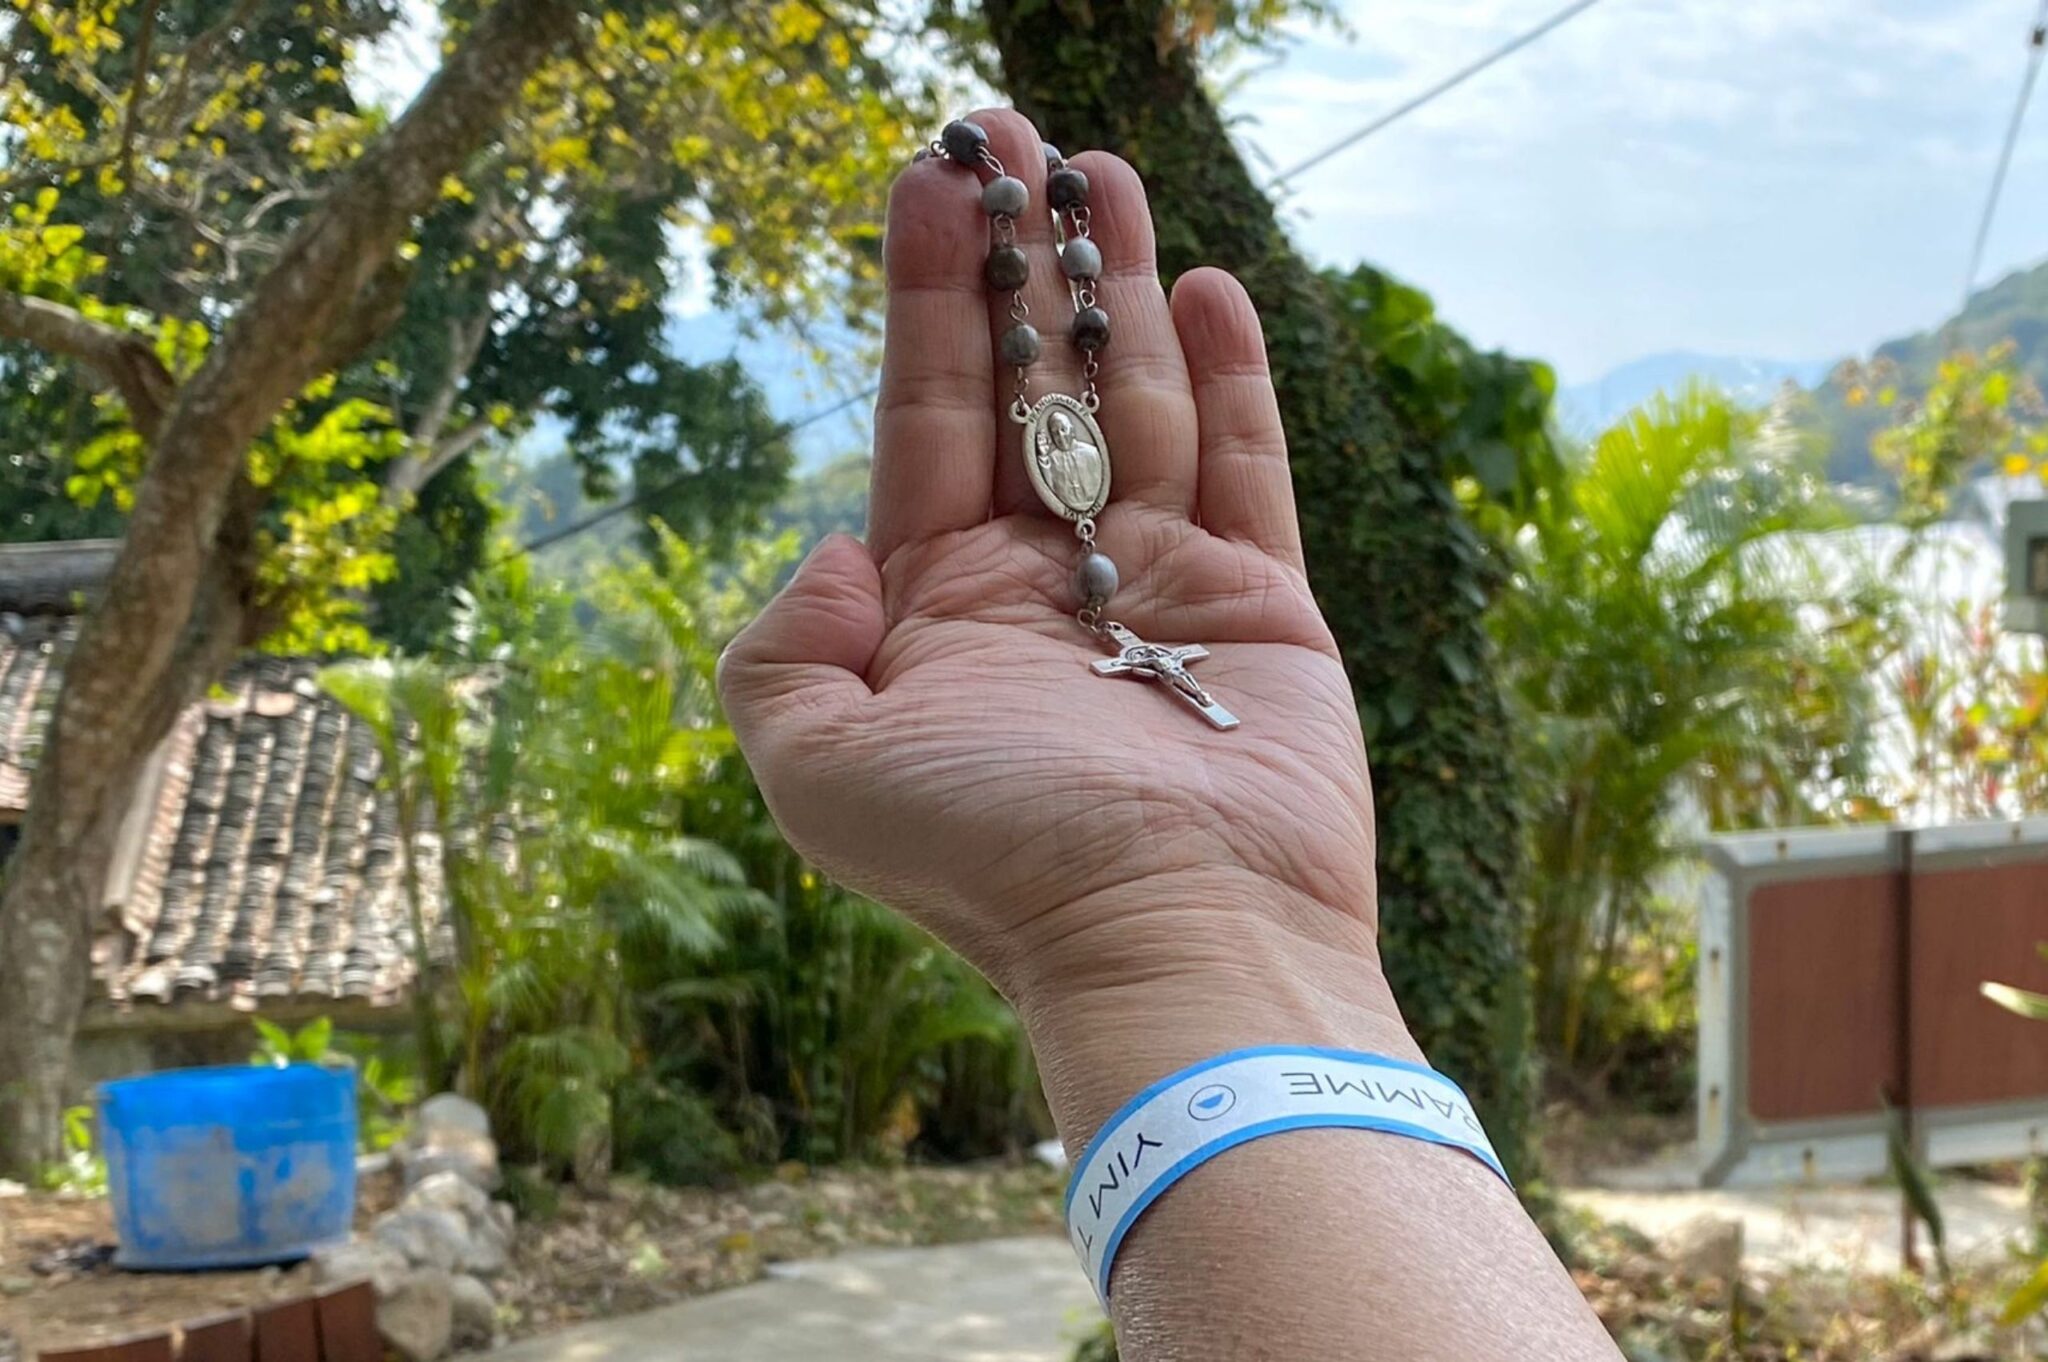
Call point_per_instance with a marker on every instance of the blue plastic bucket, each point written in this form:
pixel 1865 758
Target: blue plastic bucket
pixel 229 1167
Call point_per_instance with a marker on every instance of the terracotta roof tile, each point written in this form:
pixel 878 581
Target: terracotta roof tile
pixel 270 862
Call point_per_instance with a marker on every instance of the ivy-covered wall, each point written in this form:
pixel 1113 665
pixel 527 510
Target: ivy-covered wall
pixel 1402 577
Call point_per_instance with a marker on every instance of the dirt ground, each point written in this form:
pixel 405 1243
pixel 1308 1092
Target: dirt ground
pixel 57 1287
pixel 583 1257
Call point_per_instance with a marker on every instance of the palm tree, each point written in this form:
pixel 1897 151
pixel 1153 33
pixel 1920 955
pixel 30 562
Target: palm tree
pixel 1672 650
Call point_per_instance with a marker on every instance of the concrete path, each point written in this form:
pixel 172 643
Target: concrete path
pixel 1835 1226
pixel 1024 1300
pixel 1006 1300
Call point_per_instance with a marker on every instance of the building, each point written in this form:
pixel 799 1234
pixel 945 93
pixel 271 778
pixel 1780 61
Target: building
pixel 258 869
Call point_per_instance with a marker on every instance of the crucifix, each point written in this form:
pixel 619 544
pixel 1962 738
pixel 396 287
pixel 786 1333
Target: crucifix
pixel 1164 664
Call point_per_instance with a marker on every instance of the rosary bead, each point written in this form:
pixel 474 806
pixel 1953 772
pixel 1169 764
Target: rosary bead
pixel 922 154
pixel 1081 258
pixel 1005 196
pixel 1020 345
pixel 1066 188
pixel 1095 579
pixel 1091 328
pixel 1053 159
pixel 963 141
pixel 1008 268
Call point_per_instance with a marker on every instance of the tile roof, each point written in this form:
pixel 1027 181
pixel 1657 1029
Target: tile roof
pixel 261 861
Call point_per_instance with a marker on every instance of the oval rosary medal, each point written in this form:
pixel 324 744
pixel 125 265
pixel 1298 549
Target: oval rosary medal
pixel 1066 456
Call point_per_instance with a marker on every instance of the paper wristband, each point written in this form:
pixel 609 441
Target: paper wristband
pixel 1185 1120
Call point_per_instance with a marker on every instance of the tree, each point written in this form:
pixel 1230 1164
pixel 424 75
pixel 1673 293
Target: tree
pixel 177 598
pixel 266 321
pixel 1398 571
pixel 1671 651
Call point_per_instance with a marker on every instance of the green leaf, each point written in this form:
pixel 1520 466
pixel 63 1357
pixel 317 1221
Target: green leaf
pixel 2027 1301
pixel 1493 463
pixel 312 1041
pixel 2033 1006
pixel 1915 1183
pixel 1401 705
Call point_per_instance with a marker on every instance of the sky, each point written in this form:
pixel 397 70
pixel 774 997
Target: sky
pixel 1787 180
pixel 1782 179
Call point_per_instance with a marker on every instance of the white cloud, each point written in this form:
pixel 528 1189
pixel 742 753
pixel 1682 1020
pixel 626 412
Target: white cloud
pixel 1788 178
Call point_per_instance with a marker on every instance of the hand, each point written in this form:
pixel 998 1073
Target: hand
pixel 1149 891
pixel 921 714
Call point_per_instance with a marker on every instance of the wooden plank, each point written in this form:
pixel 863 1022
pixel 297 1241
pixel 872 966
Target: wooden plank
pixel 1823 996
pixel 134 1348
pixel 348 1325
pixel 1969 925
pixel 287 1332
pixel 219 1338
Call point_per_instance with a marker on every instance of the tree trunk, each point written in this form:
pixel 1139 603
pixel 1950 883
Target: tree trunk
pixel 174 606
pixel 1401 576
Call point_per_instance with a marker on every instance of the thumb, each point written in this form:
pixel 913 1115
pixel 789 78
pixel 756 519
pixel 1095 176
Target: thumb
pixel 808 652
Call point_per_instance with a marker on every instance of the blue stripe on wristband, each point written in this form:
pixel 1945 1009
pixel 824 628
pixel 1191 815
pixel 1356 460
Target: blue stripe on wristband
pixel 1190 1117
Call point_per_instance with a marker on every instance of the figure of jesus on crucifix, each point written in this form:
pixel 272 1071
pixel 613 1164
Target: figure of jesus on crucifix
pixel 1165 664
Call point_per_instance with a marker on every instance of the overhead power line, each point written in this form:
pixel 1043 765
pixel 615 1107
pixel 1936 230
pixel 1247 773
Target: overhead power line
pixel 1352 139
pixel 1436 91
pixel 667 485
pixel 2037 44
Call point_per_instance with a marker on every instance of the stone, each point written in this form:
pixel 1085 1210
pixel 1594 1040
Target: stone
pixel 1020 345
pixel 1007 269
pixel 1095 578
pixel 1081 258
pixel 470 1156
pixel 1005 196
pixel 1066 188
pixel 1091 328
pixel 360 1260
pixel 1706 1246
pixel 450 1191
pixel 445 1112
pixel 474 1311
pixel 963 141
pixel 417 1317
pixel 504 1217
pixel 488 1251
pixel 426 1236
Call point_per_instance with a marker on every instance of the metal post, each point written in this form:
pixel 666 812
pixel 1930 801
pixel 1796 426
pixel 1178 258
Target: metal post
pixel 1902 1085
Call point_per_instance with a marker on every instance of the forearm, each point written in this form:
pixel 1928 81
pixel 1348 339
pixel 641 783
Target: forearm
pixel 1309 1244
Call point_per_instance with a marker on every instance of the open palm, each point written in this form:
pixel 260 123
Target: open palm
pixel 920 711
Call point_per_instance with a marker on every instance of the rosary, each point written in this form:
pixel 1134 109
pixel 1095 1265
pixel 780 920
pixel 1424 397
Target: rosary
pixel 1065 454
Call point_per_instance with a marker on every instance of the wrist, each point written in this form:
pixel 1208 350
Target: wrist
pixel 1192 973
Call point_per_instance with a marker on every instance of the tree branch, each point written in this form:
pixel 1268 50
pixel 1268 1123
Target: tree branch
pixel 123 360
pixel 137 85
pixel 282 338
pixel 426 452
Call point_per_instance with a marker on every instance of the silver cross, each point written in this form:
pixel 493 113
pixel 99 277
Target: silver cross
pixel 1168 665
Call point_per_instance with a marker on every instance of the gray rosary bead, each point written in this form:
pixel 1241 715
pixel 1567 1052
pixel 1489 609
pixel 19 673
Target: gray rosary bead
pixel 1020 345
pixel 1008 268
pixel 1095 579
pixel 1053 159
pixel 1066 188
pixel 1081 258
pixel 1091 328
pixel 1005 196
pixel 963 141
